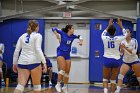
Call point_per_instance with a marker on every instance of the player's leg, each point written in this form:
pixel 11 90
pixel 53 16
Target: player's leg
pixel 106 73
pixel 123 70
pixel 1 73
pixel 114 73
pixel 66 76
pixel 62 64
pixel 23 75
pixel 106 78
pixel 136 68
pixel 36 74
pixel 50 75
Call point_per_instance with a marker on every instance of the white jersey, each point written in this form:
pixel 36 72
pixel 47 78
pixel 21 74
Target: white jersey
pixel 30 47
pixel 2 49
pixel 111 44
pixel 132 45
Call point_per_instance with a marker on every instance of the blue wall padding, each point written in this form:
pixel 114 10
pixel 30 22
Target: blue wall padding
pixel 96 44
pixel 10 31
pixel 138 33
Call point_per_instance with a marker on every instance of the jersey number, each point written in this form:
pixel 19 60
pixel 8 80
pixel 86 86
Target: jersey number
pixel 111 44
pixel 68 42
pixel 27 39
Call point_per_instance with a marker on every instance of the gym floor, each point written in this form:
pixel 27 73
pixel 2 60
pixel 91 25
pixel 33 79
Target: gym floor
pixel 72 88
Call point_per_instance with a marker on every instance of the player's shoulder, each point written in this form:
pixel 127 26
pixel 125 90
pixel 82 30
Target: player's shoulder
pixel 36 34
pixel 73 35
pixel 133 39
pixel 124 40
pixel 1 44
pixel 23 35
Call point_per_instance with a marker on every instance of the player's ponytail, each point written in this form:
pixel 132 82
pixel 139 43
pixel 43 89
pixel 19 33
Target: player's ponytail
pixel 32 25
pixel 29 31
pixel 63 29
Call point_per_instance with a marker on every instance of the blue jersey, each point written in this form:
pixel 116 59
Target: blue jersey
pixel 48 62
pixel 66 41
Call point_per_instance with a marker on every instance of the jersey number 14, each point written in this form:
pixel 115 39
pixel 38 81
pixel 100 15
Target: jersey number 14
pixel 111 44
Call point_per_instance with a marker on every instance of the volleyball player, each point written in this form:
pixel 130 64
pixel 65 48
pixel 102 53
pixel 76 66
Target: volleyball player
pixel 111 54
pixel 29 61
pixel 49 69
pixel 63 54
pixel 128 49
pixel 1 63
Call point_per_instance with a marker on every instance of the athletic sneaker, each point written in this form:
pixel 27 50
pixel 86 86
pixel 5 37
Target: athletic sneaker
pixel 65 90
pixel 58 88
pixel 117 91
pixel 105 90
pixel 2 84
pixel 50 83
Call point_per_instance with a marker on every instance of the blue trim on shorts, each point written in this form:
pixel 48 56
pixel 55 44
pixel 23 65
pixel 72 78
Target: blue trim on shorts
pixel 1 59
pixel 65 54
pixel 29 67
pixel 111 62
pixel 130 64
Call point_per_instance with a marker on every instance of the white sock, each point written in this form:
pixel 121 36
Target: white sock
pixel 2 80
pixel 105 90
pixel 50 82
pixel 58 83
pixel 118 88
pixel 65 85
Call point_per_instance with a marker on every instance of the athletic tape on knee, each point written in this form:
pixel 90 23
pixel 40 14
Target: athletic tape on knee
pixel 0 69
pixel 113 81
pixel 62 72
pixel 20 87
pixel 37 87
pixel 120 76
pixel 138 78
pixel 105 80
pixel 66 75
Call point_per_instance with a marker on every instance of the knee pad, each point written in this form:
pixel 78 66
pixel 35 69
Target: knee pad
pixel 113 81
pixel 120 76
pixel 66 75
pixel 20 87
pixel 0 69
pixel 105 80
pixel 37 87
pixel 138 78
pixel 62 72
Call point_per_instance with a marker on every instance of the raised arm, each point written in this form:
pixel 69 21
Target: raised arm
pixel 57 32
pixel 119 22
pixel 80 40
pixel 103 36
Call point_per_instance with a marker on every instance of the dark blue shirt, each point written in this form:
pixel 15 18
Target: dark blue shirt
pixel 66 41
pixel 48 62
